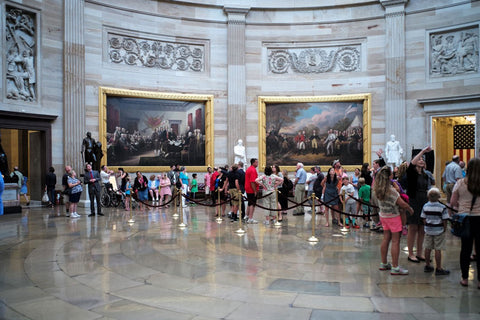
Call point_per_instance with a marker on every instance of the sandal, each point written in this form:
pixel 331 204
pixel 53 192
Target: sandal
pixel 326 225
pixel 464 282
pixel 414 260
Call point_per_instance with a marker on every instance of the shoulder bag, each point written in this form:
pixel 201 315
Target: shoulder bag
pixel 460 222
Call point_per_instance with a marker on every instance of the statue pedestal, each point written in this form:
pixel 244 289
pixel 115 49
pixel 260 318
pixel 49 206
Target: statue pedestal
pixel 9 197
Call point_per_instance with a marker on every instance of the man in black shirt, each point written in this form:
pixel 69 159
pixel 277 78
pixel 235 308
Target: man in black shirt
pixel 233 190
pixel 241 183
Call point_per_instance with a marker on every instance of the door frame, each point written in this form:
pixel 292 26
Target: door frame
pixel 32 121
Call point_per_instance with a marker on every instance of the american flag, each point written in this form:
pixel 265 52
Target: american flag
pixel 464 141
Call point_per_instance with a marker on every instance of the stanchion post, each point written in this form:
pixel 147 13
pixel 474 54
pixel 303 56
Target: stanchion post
pixel 130 208
pixel 182 224
pixel 343 229
pixel 175 212
pixel 240 231
pixel 277 223
pixel 218 210
pixel 313 238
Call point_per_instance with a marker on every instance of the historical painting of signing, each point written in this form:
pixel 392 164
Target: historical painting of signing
pixel 314 130
pixel 150 131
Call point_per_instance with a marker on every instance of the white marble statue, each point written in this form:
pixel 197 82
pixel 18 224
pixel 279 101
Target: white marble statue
pixel 239 151
pixel 393 152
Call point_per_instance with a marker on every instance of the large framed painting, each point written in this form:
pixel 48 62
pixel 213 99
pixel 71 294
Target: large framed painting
pixel 150 131
pixel 314 130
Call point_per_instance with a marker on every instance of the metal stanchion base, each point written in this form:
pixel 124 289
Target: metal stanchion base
pixel 131 220
pixel 277 224
pixel 312 239
pixel 219 220
pixel 240 231
pixel 182 225
pixel 175 216
pixel 343 229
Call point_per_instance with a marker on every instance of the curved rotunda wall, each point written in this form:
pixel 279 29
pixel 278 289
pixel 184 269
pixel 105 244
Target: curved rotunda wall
pixel 291 26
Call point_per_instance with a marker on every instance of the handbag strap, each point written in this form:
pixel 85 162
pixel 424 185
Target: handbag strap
pixel 473 202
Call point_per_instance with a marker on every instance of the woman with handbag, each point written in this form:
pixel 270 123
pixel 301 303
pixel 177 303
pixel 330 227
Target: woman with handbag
pixel 464 199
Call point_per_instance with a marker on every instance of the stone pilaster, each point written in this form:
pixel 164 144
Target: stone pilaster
pixel 395 70
pixel 236 112
pixel 74 83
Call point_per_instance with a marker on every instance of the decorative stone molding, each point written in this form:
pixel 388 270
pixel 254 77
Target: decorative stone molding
pixel 151 53
pixel 453 52
pixel 21 55
pixel 315 59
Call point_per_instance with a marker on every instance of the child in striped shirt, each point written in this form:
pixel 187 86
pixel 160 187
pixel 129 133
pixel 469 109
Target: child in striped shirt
pixel 435 218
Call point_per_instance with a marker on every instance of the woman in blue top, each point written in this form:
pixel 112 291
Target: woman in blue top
pixel 184 178
pixel 153 188
pixel 76 190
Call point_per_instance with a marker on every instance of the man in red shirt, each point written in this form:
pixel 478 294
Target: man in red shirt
pixel 251 189
pixel 212 183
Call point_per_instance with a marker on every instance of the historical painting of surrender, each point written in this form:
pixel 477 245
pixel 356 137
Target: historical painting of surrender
pixel 144 130
pixel 315 130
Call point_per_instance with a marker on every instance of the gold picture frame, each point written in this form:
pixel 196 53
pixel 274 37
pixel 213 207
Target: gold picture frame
pixel 145 112
pixel 283 121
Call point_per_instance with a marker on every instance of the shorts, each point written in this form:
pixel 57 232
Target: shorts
pixel 233 195
pixel 252 199
pixel 142 195
pixel 75 197
pixel 434 242
pixel 365 209
pixel 207 189
pixel 393 224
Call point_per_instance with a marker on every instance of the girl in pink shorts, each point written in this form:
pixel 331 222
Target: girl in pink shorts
pixel 389 201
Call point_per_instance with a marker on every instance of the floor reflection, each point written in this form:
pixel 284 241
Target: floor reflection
pixel 143 262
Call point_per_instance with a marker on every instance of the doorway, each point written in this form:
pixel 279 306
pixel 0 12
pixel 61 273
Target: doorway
pixel 26 139
pixel 23 149
pixel 452 135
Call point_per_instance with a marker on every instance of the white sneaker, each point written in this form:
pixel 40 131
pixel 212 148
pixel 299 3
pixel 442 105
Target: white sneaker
pixel 252 221
pixel 76 215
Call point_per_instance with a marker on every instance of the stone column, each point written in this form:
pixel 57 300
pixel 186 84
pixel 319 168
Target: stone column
pixel 236 108
pixel 74 84
pixel 395 82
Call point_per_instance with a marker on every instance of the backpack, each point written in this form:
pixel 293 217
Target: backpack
pixel 317 185
pixel 287 184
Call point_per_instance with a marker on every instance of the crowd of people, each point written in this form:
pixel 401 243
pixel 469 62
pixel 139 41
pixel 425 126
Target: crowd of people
pixel 402 201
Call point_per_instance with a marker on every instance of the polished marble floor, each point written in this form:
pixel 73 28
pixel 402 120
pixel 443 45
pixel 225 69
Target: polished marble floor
pixel 53 267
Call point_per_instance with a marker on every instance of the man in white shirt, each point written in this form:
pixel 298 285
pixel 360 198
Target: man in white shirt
pixel 311 177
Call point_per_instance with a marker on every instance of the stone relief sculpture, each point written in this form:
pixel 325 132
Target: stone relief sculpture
pixel 20 59
pixel 453 53
pixel 314 60
pixel 156 54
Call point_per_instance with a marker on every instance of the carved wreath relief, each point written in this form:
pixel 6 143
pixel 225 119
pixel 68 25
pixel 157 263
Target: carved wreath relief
pixel 156 54
pixel 314 60
pixel 20 58
pixel 453 53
